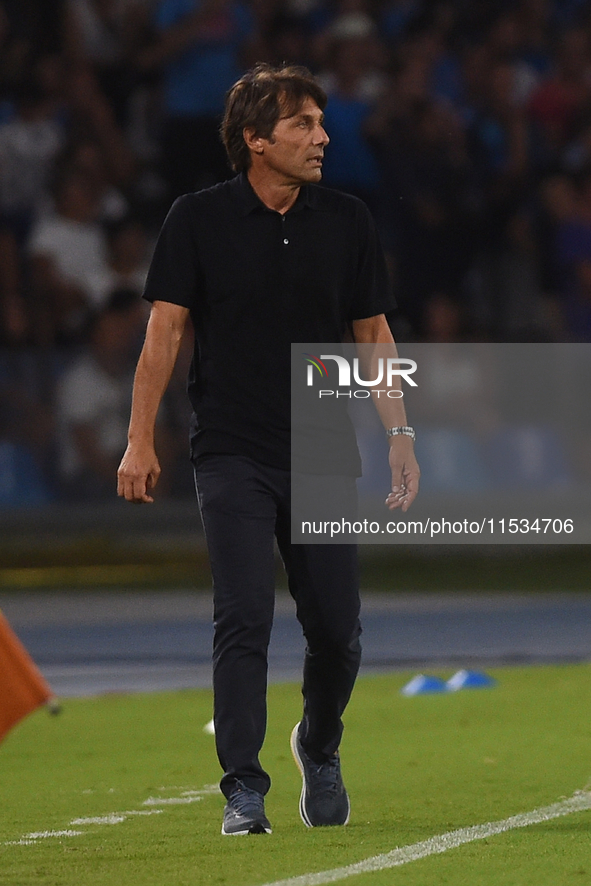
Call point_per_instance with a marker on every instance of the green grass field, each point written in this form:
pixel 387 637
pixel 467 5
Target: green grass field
pixel 415 768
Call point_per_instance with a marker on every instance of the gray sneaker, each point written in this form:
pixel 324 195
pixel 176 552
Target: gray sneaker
pixel 245 812
pixel 323 800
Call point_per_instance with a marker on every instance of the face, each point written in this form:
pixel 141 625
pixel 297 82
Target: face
pixel 293 154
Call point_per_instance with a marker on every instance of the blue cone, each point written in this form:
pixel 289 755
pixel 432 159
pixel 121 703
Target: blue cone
pixel 424 685
pixel 470 680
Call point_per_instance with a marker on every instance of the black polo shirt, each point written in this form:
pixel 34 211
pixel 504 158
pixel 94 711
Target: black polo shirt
pixel 255 281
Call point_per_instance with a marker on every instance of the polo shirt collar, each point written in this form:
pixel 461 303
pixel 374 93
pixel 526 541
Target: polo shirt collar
pixel 249 201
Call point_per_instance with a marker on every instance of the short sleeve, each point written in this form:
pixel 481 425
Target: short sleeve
pixel 174 274
pixel 373 291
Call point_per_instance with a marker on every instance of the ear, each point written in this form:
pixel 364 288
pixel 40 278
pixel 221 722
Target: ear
pixel 253 142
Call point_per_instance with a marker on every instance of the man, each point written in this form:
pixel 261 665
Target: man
pixel 263 260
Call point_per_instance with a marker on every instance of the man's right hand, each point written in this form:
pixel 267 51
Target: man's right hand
pixel 138 474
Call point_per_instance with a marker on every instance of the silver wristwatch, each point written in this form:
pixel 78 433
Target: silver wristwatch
pixel 406 431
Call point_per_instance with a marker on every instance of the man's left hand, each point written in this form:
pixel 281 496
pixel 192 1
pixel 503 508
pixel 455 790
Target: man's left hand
pixel 405 473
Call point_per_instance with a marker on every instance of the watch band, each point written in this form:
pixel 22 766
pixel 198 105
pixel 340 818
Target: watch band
pixel 405 430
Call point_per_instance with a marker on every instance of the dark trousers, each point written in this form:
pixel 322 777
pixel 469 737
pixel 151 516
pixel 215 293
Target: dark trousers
pixel 244 506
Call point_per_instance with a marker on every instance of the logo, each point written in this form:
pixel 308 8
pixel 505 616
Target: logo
pixel 389 371
pixel 315 362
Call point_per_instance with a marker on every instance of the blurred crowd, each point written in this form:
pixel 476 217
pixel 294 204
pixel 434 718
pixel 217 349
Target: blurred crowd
pixel 464 124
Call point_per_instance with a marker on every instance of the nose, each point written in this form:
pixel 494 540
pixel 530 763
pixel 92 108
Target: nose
pixel 321 136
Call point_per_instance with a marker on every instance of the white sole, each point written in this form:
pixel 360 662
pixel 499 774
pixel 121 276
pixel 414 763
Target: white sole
pixel 299 764
pixel 296 756
pixel 243 833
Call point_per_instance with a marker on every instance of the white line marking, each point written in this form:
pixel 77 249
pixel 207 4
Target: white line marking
pixel 206 791
pixel 111 818
pixel 580 802
pixel 30 839
pixel 170 801
pixel 188 796
pixel 184 789
pixel 144 812
pixel 115 817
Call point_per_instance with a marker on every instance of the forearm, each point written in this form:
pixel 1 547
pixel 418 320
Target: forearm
pixel 389 402
pixel 154 369
pixel 375 342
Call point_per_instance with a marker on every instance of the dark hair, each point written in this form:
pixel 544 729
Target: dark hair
pixel 259 99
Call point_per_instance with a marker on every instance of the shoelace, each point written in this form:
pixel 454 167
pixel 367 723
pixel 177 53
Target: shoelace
pixel 326 775
pixel 245 800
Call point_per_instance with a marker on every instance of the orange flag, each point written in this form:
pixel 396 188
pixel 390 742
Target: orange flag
pixel 22 687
